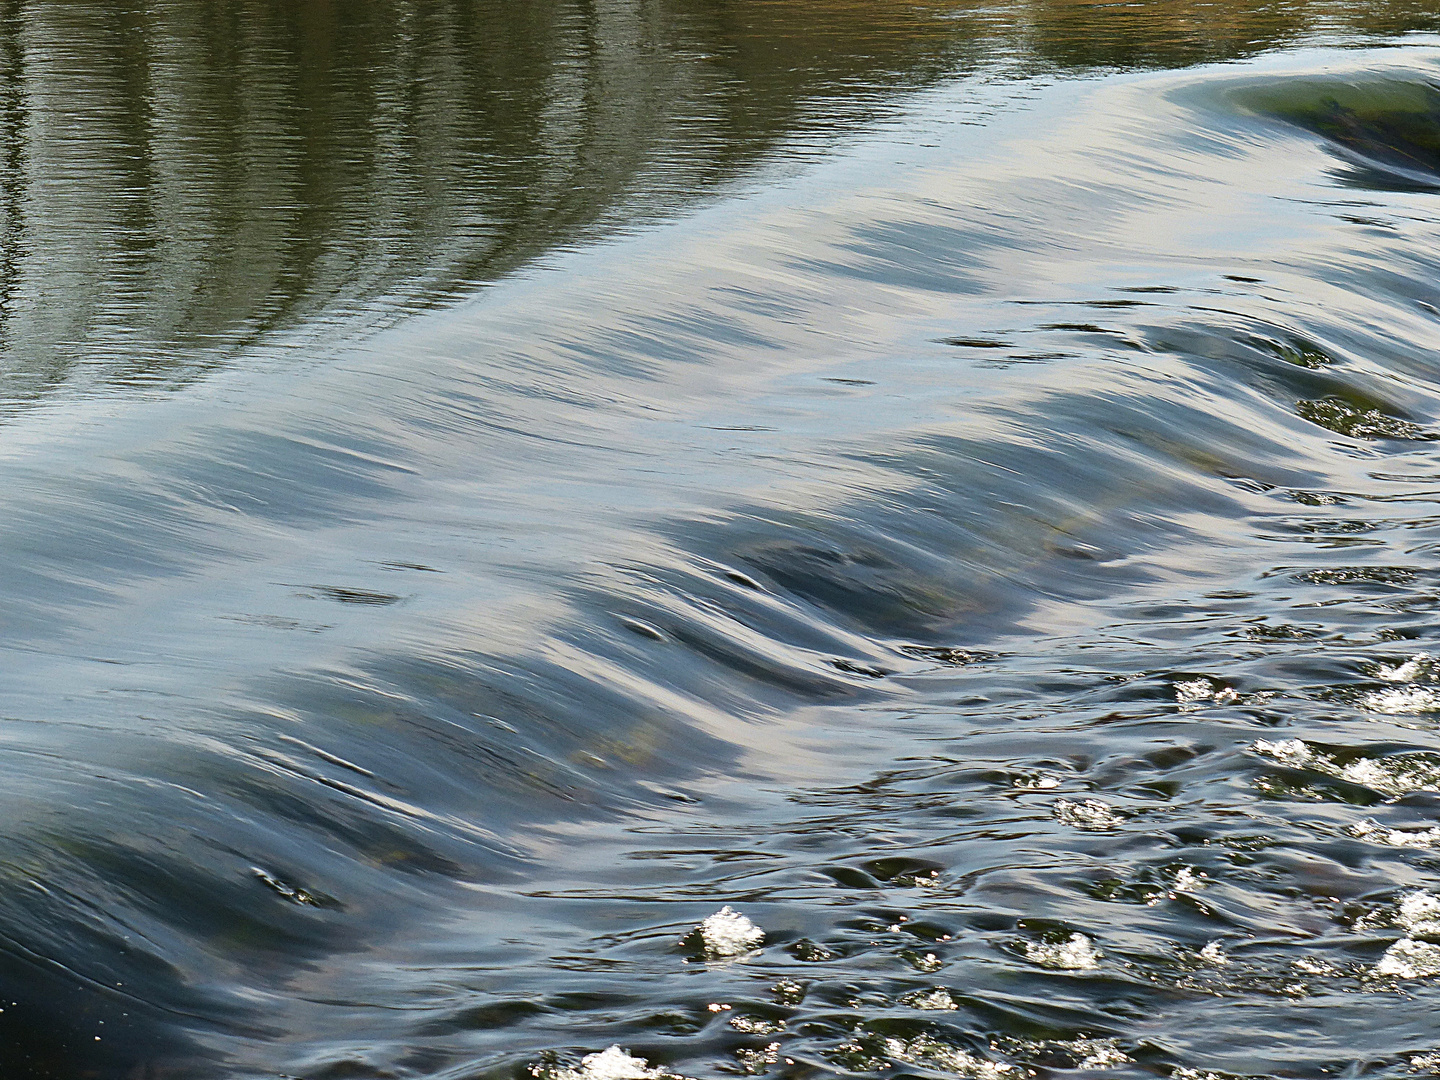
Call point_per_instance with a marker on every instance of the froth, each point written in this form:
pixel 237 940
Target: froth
pixel 928 1050
pixel 729 933
pixel 1416 667
pixel 1419 915
pixel 1398 774
pixel 611 1064
pixel 1078 953
pixel 1196 693
pixel 1376 833
pixel 1402 699
pixel 1409 959
pixel 1089 814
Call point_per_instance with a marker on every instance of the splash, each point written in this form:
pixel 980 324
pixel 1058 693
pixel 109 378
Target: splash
pixel 1196 693
pixel 1412 670
pixel 1376 833
pixel 936 1000
pixel 1078 953
pixel 1419 915
pixel 728 933
pixel 1214 954
pixel 928 1050
pixel 1091 814
pixel 611 1064
pixel 1409 959
pixel 1398 701
pixel 1395 775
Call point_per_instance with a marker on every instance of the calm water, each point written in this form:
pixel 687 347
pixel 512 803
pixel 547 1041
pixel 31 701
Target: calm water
pixel 485 487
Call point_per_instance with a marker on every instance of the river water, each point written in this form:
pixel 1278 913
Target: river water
pixel 487 487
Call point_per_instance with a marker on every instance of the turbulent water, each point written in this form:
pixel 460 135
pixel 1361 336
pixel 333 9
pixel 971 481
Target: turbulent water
pixel 642 539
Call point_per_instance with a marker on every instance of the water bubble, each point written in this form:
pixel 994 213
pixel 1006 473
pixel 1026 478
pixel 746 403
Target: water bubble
pixel 1099 1053
pixel 789 992
pixel 927 963
pixel 1187 880
pixel 753 1062
pixel 756 1025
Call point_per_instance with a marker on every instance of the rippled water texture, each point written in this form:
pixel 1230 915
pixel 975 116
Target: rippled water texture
pixel 632 540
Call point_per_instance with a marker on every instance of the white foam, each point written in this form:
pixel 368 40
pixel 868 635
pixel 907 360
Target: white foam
pixel 1409 671
pixel 611 1064
pixel 1397 775
pixel 1043 782
pixel 1076 954
pixel 1400 700
pixel 1379 834
pixel 1391 776
pixel 1409 959
pixel 1090 814
pixel 1291 752
pixel 1213 954
pixel 936 1000
pixel 1187 880
pixel 756 1025
pixel 1419 915
pixel 1099 1053
pixel 928 1050
pixel 728 933
pixel 1196 693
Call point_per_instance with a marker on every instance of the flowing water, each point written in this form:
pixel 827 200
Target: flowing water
pixel 487 487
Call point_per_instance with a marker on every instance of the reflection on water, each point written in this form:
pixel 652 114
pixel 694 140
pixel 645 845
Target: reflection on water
pixel 180 179
pixel 914 476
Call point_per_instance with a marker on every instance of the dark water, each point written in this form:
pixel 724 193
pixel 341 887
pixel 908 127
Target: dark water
pixel 486 487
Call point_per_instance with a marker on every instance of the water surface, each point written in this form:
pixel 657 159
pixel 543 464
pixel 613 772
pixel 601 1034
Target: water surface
pixel 485 489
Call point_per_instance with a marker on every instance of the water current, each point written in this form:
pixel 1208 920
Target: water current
pixel 645 538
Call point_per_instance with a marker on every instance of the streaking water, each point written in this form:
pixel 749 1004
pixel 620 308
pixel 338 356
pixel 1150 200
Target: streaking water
pixel 987 549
